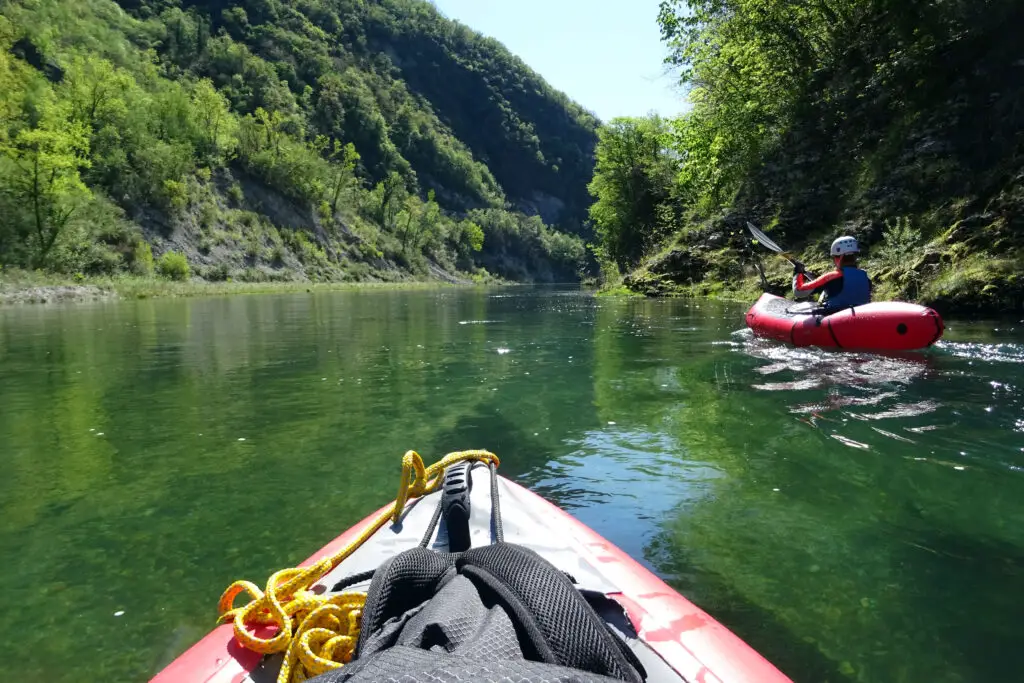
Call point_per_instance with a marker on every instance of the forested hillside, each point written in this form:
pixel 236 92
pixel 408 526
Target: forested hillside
pixel 900 122
pixel 272 139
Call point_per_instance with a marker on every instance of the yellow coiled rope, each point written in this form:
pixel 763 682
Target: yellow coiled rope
pixel 315 632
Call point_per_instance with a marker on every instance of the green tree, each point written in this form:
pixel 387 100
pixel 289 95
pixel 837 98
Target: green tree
pixel 96 89
pixel 632 184
pixel 471 236
pixel 41 182
pixel 409 221
pixel 217 128
pixel 746 63
pixel 390 196
pixel 431 225
pixel 173 265
pixel 12 83
pixel 343 169
pixel 184 36
pixel 420 224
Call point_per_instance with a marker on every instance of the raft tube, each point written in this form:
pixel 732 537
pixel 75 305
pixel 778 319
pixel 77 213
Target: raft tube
pixel 673 638
pixel 877 326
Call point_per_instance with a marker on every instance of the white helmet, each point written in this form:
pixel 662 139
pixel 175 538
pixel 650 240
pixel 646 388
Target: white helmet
pixel 844 245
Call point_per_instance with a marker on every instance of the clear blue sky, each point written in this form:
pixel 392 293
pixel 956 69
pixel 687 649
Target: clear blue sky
pixel 604 54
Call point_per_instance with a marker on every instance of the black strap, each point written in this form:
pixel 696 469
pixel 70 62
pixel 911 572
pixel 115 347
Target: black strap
pixel 828 323
pixel 531 638
pixel 498 531
pixel 353 580
pixel 425 541
pixel 575 634
pixel 400 584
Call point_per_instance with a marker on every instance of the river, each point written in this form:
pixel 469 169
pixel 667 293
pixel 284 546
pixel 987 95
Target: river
pixel 853 517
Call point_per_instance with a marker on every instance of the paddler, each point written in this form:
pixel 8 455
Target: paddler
pixel 845 286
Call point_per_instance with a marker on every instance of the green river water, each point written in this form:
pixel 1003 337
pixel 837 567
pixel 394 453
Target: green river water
pixel 853 517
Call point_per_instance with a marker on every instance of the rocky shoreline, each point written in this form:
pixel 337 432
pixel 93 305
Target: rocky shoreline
pixel 52 294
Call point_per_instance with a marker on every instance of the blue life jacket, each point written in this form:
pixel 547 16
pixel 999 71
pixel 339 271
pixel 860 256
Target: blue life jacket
pixel 853 289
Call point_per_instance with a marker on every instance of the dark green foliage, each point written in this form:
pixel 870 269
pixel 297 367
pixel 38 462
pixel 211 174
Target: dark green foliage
pixel 847 115
pixel 414 92
pixel 514 247
pixel 532 138
pixel 632 186
pixel 879 118
pixel 142 259
pixel 304 111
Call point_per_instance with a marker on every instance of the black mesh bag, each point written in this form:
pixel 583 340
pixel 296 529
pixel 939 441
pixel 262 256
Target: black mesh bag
pixel 494 613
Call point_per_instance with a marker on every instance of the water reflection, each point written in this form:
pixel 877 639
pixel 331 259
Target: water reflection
pixel 853 516
pixel 842 482
pixel 624 481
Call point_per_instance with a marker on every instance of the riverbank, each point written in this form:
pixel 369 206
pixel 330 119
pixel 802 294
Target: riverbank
pixel 949 273
pixel 24 287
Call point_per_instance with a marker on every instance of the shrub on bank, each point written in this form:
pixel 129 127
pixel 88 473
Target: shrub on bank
pixel 142 259
pixel 173 265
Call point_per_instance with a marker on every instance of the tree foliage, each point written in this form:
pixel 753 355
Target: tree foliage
pixel 816 113
pixel 386 121
pixel 632 186
pixel 43 188
pixel 757 68
pixel 747 63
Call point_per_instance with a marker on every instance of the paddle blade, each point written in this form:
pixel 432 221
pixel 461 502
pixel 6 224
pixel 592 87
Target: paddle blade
pixel 764 239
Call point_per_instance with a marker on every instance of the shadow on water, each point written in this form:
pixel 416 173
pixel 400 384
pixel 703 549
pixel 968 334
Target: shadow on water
pixel 794 654
pixel 520 449
pixel 987 626
pixel 528 457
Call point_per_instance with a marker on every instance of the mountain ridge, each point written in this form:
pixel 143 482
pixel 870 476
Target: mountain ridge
pixel 259 139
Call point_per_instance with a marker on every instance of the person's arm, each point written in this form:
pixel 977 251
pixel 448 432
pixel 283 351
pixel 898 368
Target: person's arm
pixel 803 285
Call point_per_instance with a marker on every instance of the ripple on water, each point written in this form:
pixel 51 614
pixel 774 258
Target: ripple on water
pixel 849 442
pixel 891 435
pixel 900 410
pixel 957 387
pixel 990 353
